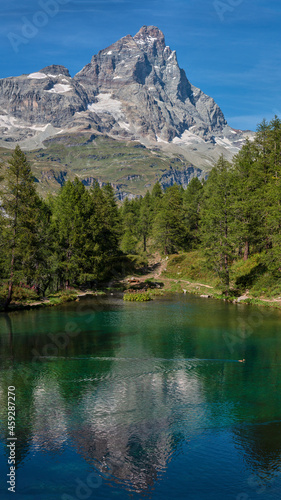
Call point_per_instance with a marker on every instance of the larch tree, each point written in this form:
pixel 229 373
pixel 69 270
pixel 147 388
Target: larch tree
pixel 169 228
pixel 192 202
pixel 21 205
pixel 145 219
pixel 248 204
pixel 217 233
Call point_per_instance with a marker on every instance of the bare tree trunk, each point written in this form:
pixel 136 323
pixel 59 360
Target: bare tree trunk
pixel 226 274
pixel 246 251
pixel 11 283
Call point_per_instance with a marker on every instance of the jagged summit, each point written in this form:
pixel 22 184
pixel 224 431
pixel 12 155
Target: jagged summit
pixel 134 90
pixel 156 101
pixel 149 36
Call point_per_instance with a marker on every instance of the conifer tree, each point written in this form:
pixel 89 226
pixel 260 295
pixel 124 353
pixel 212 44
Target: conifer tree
pixel 169 228
pixel 192 201
pixel 217 233
pixel 104 227
pixel 270 143
pixel 156 197
pixel 129 219
pixel 71 214
pixel 248 207
pixel 22 209
pixel 145 219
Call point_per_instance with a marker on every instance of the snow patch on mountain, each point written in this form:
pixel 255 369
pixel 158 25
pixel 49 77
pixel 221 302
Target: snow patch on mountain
pixel 60 88
pixel 37 76
pixel 226 143
pixel 10 122
pixel 188 138
pixel 106 104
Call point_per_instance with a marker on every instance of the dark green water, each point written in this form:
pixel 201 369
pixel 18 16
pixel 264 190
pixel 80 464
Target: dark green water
pixel 123 401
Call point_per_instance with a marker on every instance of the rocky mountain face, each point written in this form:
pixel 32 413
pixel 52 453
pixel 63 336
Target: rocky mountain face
pixel 134 91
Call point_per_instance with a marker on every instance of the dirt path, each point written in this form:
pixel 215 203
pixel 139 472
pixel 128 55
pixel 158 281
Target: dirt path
pixel 188 282
pixel 161 266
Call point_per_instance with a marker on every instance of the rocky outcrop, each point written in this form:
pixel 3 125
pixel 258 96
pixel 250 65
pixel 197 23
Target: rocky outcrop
pixel 36 100
pixel 180 177
pixel 52 175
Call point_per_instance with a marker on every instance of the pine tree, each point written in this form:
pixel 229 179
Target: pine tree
pixel 104 231
pixel 145 219
pixel 169 228
pixel 248 183
pixel 192 201
pixel 269 141
pixel 129 218
pixel 22 206
pixel 71 213
pixel 217 233
pixel 156 197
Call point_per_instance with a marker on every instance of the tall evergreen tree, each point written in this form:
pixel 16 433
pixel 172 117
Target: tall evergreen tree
pixel 192 201
pixel 217 233
pixel 269 141
pixel 156 197
pixel 22 208
pixel 248 207
pixel 129 218
pixel 105 231
pixel 169 228
pixel 71 213
pixel 145 219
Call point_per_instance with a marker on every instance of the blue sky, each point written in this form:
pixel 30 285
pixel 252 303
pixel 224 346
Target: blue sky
pixel 228 48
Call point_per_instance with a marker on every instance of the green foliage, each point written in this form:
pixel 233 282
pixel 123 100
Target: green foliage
pixel 20 230
pixel 129 243
pixel 86 225
pixel 137 297
pixel 231 222
pixel 191 266
pixel 169 230
pixel 192 203
pixel 62 297
pixel 20 293
pixel 217 228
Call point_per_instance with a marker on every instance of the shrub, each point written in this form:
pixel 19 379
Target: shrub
pixel 137 297
pixel 21 293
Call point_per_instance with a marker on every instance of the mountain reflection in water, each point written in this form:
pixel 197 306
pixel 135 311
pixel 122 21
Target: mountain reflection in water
pixel 140 389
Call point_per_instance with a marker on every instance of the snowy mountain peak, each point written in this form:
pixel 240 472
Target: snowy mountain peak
pixel 133 90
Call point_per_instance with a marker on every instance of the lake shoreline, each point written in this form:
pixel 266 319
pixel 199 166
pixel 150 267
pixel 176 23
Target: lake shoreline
pixel 170 286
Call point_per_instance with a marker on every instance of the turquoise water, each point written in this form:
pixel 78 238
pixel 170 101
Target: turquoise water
pixel 125 401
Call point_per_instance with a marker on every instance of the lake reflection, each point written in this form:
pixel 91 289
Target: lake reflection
pixel 147 396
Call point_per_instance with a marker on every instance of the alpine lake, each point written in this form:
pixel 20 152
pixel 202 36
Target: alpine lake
pixel 178 398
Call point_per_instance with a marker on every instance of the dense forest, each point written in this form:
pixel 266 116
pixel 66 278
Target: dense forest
pixel 82 237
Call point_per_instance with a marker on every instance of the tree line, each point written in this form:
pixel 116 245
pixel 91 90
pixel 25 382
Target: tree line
pixel 236 212
pixel 80 236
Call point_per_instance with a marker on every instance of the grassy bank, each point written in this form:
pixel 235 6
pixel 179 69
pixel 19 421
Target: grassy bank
pixel 251 283
pixel 250 280
pixel 28 299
